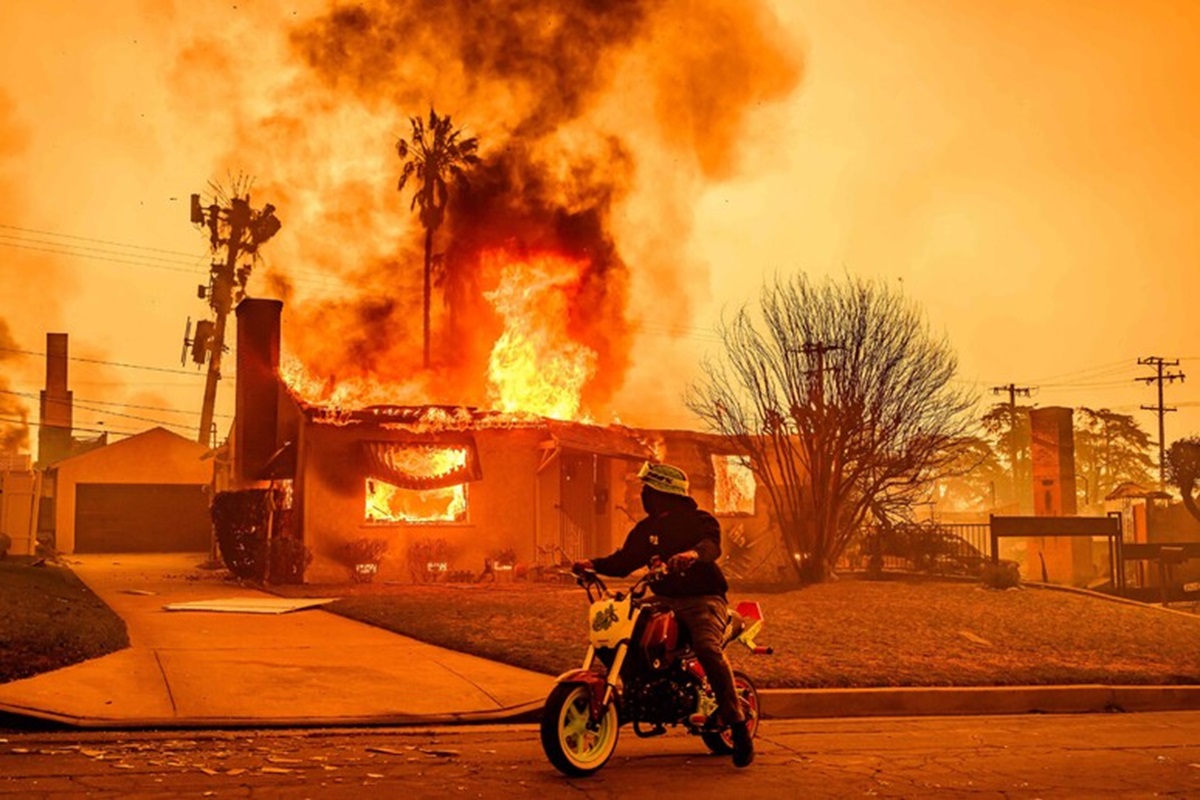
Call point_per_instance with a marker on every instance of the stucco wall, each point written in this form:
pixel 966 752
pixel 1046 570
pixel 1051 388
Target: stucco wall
pixel 156 456
pixel 502 508
pixel 694 456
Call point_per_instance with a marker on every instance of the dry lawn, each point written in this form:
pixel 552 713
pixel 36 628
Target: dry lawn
pixel 50 619
pixel 850 633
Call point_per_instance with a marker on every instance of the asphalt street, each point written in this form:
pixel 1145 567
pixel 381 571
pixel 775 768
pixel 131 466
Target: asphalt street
pixel 1011 756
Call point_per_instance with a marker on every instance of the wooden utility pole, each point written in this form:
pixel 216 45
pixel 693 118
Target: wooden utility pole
pixel 239 229
pixel 818 350
pixel 1160 378
pixel 1013 453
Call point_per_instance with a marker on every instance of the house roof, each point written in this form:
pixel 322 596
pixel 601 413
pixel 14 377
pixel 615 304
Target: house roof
pixel 1134 491
pixel 611 440
pixel 614 441
pixel 160 435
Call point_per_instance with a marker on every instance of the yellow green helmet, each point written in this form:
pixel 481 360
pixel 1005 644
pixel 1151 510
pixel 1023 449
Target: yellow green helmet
pixel 664 478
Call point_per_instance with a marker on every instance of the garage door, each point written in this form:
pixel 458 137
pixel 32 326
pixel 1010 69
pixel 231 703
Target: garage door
pixel 141 518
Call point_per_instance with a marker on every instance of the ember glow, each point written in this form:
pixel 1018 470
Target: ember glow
pixel 535 365
pixel 735 485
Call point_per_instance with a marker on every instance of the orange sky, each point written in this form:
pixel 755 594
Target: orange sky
pixel 1027 170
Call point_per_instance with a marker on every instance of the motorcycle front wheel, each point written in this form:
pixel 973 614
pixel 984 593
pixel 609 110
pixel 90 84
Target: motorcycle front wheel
pixel 721 742
pixel 574 745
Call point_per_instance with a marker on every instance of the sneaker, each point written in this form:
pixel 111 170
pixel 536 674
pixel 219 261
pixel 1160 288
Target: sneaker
pixel 743 745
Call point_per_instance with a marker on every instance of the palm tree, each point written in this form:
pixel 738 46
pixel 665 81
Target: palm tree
pixel 434 155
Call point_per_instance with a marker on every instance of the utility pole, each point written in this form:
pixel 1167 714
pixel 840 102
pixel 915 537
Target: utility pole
pixel 818 350
pixel 1160 377
pixel 1013 390
pixel 239 230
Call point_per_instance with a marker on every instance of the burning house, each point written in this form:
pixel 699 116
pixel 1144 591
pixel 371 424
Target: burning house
pixel 590 158
pixel 445 489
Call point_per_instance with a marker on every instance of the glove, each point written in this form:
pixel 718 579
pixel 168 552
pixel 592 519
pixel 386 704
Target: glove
pixel 580 567
pixel 681 561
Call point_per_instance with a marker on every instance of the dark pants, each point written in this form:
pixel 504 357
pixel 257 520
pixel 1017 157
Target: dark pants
pixel 704 617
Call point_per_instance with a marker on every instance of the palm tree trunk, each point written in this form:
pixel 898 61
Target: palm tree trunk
pixel 428 270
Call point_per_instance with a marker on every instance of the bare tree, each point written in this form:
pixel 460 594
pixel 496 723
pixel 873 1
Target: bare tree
pixel 842 399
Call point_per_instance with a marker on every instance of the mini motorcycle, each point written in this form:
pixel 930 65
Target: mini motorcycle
pixel 639 669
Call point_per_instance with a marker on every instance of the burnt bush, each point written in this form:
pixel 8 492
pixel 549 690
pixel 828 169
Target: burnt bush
pixel 1003 574
pixel 254 539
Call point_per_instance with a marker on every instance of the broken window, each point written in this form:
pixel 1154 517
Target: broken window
pixel 389 503
pixel 418 483
pixel 734 485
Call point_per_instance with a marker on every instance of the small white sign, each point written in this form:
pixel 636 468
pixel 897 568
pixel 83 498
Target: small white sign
pixel 1192 587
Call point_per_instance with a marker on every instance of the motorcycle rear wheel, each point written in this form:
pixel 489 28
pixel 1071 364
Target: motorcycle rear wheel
pixel 573 747
pixel 721 742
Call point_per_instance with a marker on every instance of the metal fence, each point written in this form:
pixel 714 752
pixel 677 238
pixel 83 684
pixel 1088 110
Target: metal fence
pixel 937 548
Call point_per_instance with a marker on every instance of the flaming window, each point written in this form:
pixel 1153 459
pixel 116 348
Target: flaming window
pixel 387 503
pixel 418 483
pixel 734 487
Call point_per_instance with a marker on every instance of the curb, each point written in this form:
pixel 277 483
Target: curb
pixel 775 704
pixel 524 712
pixel 957 701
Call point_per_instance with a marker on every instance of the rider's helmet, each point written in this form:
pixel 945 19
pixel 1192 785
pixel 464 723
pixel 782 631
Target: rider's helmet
pixel 664 478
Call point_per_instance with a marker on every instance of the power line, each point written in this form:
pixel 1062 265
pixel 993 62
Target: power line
pixel 1160 377
pixel 97 241
pixel 191 261
pixel 62 252
pixel 1013 453
pixel 28 423
pixel 106 363
pixel 76 403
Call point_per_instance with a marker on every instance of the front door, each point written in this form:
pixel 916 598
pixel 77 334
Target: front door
pixel 583 495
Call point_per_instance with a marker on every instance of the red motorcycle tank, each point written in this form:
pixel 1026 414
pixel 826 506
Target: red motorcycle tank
pixel 659 639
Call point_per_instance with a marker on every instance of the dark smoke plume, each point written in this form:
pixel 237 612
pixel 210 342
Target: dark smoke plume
pixel 576 105
pixel 14 437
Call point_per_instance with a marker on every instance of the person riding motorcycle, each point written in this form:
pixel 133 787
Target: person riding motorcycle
pixel 676 530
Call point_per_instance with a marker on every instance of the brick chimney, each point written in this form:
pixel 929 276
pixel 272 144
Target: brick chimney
pixel 56 414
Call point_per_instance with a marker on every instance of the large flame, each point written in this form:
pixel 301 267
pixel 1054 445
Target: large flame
pixel 388 503
pixel 593 154
pixel 535 365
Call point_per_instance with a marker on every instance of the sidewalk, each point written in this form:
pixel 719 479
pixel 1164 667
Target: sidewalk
pixel 213 669
pixel 194 669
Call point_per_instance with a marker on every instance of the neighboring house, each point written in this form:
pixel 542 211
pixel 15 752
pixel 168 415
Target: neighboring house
pixel 445 487
pixel 147 493
pixel 18 505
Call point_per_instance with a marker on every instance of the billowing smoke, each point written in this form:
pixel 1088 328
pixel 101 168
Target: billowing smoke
pixel 14 283
pixel 14 433
pixel 598 123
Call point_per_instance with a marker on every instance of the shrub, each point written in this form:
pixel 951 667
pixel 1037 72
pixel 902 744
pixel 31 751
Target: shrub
pixel 1004 574
pixel 362 557
pixel 289 559
pixel 428 560
pixel 240 522
pixel 248 549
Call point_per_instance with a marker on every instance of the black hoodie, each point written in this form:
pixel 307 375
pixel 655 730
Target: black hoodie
pixel 674 525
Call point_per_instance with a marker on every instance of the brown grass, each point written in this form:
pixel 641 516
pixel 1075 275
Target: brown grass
pixel 50 619
pixel 847 633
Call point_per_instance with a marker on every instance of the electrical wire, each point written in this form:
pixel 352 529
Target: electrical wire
pixel 28 423
pixel 97 241
pixel 85 403
pixel 109 363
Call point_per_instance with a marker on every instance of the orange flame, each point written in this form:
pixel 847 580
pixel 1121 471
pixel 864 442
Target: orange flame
pixel 535 365
pixel 388 503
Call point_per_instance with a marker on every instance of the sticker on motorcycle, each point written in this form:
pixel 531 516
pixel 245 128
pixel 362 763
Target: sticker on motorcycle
pixel 605 618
